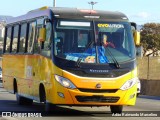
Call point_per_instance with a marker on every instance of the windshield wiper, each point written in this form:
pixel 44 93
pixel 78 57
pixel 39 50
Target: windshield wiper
pixel 113 58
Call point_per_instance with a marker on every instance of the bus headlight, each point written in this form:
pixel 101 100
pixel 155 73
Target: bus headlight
pixel 64 82
pixel 129 84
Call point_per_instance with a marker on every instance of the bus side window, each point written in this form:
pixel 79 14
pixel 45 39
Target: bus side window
pixel 59 41
pixel 38 44
pixel 46 49
pixel 15 38
pixel 22 41
pixel 31 37
pixel 8 40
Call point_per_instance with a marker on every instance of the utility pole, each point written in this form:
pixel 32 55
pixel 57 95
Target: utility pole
pixel 92 3
pixel 54 3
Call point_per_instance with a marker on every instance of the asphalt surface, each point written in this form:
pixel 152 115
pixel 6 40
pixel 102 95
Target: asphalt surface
pixel 147 107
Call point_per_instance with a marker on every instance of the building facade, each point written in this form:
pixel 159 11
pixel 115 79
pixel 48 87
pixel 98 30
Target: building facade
pixel 1 29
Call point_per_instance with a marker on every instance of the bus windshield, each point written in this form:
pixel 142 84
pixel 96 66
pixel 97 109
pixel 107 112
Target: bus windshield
pixel 93 42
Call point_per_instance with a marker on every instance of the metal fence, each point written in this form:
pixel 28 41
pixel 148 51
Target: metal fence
pixel 149 68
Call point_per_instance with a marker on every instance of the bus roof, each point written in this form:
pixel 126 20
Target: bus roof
pixel 70 13
pixel 30 15
pixel 84 13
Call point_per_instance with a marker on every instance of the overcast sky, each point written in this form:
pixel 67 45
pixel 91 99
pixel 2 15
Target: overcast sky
pixel 139 11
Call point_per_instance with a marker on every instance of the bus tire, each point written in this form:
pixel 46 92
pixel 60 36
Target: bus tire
pixel 23 101
pixel 116 109
pixel 49 108
pixel 42 94
pixel 15 86
pixel 138 94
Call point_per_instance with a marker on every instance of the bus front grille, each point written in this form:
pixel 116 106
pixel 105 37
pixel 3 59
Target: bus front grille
pixel 98 90
pixel 108 99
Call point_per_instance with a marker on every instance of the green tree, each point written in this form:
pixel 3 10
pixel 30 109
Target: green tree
pixel 150 38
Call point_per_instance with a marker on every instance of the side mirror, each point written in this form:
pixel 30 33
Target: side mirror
pixel 136 36
pixel 42 34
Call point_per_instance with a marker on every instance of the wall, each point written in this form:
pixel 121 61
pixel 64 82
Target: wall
pixel 149 74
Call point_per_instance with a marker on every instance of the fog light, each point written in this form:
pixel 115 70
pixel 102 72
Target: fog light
pixel 60 94
pixel 131 96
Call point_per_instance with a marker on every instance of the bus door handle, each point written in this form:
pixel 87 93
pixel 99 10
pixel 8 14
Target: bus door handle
pixel 34 73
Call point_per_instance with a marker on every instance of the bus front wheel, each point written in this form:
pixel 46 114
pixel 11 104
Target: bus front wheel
pixel 50 107
pixel 116 109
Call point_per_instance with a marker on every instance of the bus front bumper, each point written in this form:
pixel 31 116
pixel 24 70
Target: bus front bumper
pixel 85 98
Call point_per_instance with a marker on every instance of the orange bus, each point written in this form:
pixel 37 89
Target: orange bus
pixel 74 57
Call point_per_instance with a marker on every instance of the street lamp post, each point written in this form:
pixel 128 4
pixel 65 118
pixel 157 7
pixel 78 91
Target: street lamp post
pixel 54 3
pixel 92 3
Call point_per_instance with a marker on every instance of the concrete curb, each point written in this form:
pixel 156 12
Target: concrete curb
pixel 149 97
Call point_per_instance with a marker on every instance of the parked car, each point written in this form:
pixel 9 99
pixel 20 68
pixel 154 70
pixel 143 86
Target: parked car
pixel 0 74
pixel 138 87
